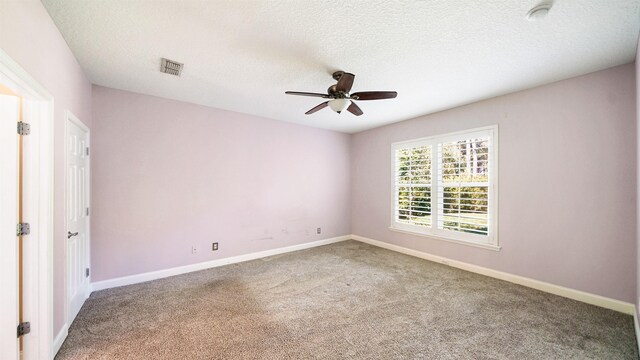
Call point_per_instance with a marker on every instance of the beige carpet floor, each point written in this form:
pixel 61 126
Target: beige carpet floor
pixel 342 301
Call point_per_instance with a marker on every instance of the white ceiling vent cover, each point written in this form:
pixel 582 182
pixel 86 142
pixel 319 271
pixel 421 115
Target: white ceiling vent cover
pixel 171 67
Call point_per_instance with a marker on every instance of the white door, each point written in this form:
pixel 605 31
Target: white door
pixel 8 221
pixel 77 205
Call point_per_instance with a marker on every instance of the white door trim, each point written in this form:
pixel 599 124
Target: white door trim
pixel 8 219
pixel 70 117
pixel 38 208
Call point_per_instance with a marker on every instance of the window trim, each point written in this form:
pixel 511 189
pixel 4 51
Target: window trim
pixel 489 241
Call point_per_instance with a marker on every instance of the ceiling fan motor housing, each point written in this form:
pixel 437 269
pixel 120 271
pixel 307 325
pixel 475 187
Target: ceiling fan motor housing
pixel 334 93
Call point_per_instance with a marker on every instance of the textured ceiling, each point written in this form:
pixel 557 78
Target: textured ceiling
pixel 438 54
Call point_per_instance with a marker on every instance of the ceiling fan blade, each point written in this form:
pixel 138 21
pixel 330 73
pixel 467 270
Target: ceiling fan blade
pixel 374 95
pixel 307 94
pixel 345 83
pixel 319 107
pixel 354 109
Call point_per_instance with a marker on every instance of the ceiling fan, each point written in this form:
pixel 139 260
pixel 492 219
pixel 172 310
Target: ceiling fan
pixel 341 99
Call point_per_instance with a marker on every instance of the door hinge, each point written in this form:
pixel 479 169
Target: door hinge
pixel 23 229
pixel 24 328
pixel 87 211
pixel 87 151
pixel 23 128
pixel 87 272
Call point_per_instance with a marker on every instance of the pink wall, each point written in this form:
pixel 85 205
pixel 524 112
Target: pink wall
pixel 567 182
pixel 168 175
pixel 30 37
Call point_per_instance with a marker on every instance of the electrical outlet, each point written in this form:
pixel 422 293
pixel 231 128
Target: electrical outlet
pixel 194 249
pixel 318 230
pixel 214 246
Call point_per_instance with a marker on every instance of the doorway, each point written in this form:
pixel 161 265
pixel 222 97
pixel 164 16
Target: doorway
pixel 26 298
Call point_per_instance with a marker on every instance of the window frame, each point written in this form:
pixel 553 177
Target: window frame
pixel 489 241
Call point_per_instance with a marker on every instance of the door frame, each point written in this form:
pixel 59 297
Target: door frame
pixel 71 118
pixel 38 157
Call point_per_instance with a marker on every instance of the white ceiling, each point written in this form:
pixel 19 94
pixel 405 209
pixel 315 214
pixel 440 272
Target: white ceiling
pixel 437 54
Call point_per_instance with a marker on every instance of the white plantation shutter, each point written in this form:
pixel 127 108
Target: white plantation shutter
pixel 463 186
pixel 413 186
pixel 445 186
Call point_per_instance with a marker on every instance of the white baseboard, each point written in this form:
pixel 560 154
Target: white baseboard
pixel 153 275
pixel 608 303
pixel 59 340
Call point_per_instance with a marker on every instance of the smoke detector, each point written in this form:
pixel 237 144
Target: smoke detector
pixel 539 12
pixel 171 67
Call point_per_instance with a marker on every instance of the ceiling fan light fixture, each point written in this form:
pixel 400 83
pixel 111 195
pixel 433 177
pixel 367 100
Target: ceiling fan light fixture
pixel 339 105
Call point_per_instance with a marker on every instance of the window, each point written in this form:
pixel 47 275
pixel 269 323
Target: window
pixel 445 187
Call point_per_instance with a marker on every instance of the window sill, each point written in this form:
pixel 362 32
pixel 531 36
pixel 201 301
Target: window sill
pixel 463 242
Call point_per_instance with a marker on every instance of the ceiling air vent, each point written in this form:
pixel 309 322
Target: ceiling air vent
pixel 171 67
